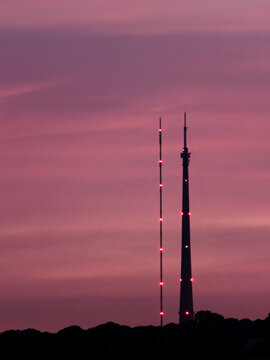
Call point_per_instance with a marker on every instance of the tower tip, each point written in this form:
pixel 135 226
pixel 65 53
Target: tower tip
pixel 185 130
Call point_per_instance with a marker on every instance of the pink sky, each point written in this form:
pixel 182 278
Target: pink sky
pixel 82 87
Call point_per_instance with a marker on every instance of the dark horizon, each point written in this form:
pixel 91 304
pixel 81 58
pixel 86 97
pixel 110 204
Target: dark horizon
pixel 208 336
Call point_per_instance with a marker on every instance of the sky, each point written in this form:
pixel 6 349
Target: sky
pixel 82 86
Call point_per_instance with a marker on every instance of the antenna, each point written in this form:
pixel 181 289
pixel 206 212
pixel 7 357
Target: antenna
pixel 160 224
pixel 185 130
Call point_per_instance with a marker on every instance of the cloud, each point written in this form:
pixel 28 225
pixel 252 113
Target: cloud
pixel 88 81
pixel 140 17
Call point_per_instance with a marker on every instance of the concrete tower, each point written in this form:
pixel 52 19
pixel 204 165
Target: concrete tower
pixel 186 299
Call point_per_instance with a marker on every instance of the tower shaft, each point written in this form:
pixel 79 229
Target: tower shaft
pixel 186 298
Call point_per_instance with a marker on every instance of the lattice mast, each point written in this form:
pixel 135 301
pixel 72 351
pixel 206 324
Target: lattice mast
pixel 160 225
pixel 186 299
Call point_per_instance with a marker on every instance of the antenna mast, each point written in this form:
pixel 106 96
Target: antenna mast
pixel 185 130
pixel 160 224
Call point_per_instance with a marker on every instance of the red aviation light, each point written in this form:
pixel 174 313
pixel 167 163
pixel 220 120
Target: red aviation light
pixel 161 283
pixel 160 161
pixel 189 213
pixel 191 279
pixel 186 246
pixel 159 129
pixel 182 213
pixel 160 185
pixel 161 249
pixel 187 312
pixel 160 219
pixel 180 280
pixel 185 180
pixel 161 313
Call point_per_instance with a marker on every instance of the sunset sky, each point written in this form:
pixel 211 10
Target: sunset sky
pixel 82 86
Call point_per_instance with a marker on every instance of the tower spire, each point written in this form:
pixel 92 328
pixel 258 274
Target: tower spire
pixel 186 298
pixel 185 130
